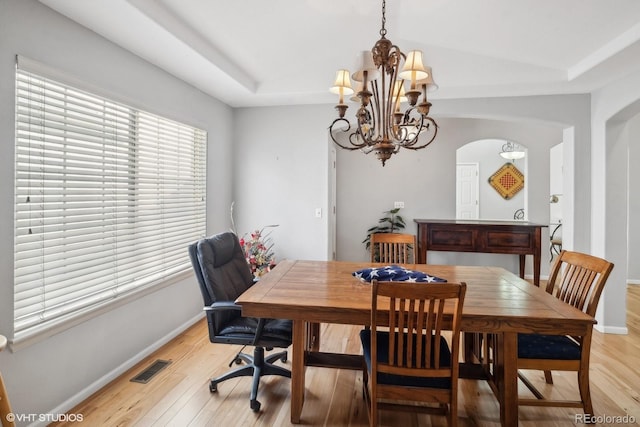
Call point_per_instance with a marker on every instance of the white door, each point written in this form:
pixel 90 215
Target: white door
pixel 467 186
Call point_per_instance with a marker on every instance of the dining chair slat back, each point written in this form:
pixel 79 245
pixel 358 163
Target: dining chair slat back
pixel 393 248
pixel 410 360
pixel 578 279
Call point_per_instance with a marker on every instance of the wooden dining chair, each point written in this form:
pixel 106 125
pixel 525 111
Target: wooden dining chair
pixel 576 279
pixel 393 248
pixel 5 407
pixel 409 364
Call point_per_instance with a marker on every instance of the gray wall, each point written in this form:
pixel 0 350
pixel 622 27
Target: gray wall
pixel 281 176
pixel 58 372
pixel 612 107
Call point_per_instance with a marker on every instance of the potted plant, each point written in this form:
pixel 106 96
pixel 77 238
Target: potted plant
pixel 391 222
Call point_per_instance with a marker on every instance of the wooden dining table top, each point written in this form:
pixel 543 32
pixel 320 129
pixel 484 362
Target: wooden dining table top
pixel 327 292
pixel 497 301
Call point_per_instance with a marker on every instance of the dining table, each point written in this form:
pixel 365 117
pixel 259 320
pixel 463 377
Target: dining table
pixel 497 302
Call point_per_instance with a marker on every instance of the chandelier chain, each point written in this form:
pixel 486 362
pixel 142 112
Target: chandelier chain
pixel 383 31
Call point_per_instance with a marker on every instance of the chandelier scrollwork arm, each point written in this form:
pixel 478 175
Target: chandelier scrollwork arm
pixel 430 126
pixel 335 132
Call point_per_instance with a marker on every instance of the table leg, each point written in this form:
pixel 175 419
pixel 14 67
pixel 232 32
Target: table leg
pixel 537 255
pixel 507 368
pixel 523 259
pixel 313 337
pixel 470 345
pixel 536 268
pixel 299 338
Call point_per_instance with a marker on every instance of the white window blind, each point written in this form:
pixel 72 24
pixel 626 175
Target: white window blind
pixel 107 200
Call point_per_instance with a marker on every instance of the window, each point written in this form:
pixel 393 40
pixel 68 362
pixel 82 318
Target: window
pixel 107 200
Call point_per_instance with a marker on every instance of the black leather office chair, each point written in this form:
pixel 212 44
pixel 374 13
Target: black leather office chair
pixel 223 275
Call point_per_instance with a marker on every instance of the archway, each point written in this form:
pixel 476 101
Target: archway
pixel 477 162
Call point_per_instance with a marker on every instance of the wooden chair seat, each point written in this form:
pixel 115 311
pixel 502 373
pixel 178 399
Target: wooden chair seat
pixel 561 347
pixel 404 380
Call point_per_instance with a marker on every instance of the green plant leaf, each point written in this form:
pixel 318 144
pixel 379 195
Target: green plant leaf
pixel 389 223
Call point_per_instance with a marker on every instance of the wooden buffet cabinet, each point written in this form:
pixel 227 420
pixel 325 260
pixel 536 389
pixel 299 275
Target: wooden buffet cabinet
pixel 495 237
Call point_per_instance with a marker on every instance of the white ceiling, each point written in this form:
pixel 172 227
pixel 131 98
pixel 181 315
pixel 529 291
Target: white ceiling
pixel 256 52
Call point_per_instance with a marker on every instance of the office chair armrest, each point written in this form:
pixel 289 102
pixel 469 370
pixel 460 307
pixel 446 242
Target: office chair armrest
pixel 223 306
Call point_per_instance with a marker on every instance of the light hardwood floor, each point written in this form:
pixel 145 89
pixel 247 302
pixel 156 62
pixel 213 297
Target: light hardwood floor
pixel 179 395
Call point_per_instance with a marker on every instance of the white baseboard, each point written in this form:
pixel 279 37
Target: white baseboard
pixel 115 373
pixel 633 282
pixel 616 330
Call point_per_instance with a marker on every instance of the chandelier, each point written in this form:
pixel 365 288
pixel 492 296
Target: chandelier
pixel 511 151
pixel 381 125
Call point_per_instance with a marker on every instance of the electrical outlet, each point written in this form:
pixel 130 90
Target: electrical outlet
pixel 397 205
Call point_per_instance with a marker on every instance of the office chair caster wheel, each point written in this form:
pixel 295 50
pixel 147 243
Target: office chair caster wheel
pixel 283 359
pixel 255 405
pixel 237 361
pixel 213 387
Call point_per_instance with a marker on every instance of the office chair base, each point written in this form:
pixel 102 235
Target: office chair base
pixel 257 367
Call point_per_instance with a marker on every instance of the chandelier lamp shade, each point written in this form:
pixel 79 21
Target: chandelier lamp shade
pixel 511 151
pixel 385 81
pixel 342 85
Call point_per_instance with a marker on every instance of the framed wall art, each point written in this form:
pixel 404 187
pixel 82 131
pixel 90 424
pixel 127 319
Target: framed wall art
pixel 507 181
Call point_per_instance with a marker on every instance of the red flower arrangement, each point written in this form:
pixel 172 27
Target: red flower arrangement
pixel 258 250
